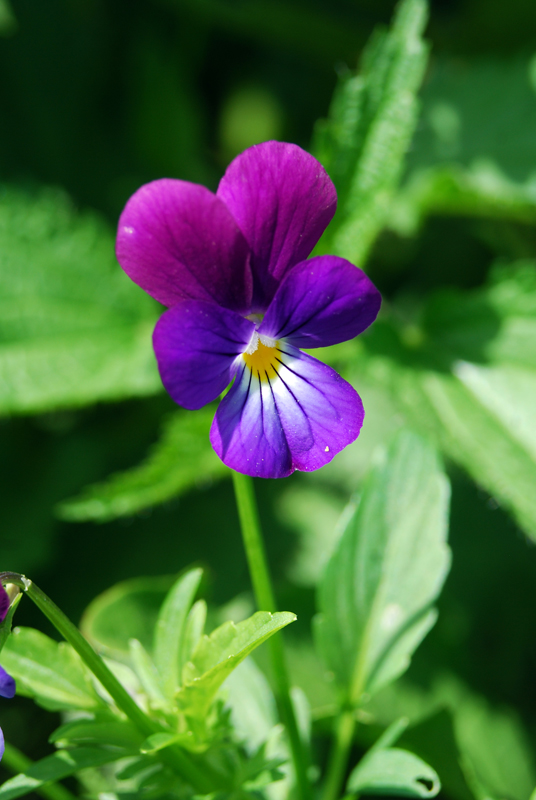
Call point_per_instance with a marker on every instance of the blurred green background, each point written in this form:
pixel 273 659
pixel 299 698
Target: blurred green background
pixel 99 97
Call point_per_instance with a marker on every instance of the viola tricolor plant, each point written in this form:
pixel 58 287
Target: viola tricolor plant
pixel 7 684
pixel 243 300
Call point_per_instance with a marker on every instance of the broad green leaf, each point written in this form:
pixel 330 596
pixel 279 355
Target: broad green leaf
pixel 159 741
pixel 394 772
pixel 217 655
pixel 376 597
pixel 55 767
pixel 371 122
pixel 116 733
pixel 182 459
pixel 50 672
pixel 170 628
pixel 73 328
pixel 129 610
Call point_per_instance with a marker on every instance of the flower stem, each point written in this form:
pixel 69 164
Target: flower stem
pixel 16 762
pixel 338 758
pixel 174 757
pixel 264 595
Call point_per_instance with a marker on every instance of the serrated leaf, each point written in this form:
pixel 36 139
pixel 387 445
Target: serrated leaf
pixel 129 610
pixel 170 628
pixel 180 460
pixel 376 597
pixel 392 771
pixel 217 655
pixel 73 329
pixel 50 672
pixel 372 119
pixel 55 767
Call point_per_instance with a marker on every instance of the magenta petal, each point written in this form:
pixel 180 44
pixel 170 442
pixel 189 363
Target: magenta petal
pixel 299 420
pixel 2 745
pixel 196 346
pixel 7 684
pixel 4 603
pixel 322 301
pixel 178 241
pixel 282 199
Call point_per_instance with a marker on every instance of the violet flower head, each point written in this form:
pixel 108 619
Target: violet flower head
pixel 243 300
pixel 7 684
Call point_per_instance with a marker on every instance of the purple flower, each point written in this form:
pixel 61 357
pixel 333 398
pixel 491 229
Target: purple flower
pixel 7 684
pixel 231 266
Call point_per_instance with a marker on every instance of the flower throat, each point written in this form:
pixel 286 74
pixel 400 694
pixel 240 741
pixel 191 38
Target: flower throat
pixel 261 357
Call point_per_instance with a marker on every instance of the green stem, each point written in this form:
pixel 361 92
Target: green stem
pixel 338 759
pixel 17 762
pixel 264 595
pixel 174 757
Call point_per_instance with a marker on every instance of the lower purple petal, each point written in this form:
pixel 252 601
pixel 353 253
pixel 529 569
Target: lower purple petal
pixel 247 434
pixel 196 346
pixel 297 420
pixel 7 684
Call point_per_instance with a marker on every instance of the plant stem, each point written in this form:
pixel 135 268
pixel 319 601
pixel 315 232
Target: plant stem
pixel 264 595
pixel 174 757
pixel 17 762
pixel 338 758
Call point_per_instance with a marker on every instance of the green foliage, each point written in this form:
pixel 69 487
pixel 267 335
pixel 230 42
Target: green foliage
pixel 73 328
pixel 376 597
pixel 50 672
pixel 55 767
pixel 217 655
pixel 464 372
pixel 371 122
pixel 181 458
pixel 392 771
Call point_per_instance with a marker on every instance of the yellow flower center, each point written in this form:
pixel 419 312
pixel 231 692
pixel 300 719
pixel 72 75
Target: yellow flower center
pixel 261 358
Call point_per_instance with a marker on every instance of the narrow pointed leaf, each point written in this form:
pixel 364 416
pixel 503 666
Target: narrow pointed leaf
pixel 170 628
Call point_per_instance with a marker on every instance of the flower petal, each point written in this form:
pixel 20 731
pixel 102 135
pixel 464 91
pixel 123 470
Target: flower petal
pixel 297 420
pixel 7 684
pixel 2 746
pixel 4 603
pixel 196 346
pixel 322 301
pixel 282 199
pixel 178 241
pixel 247 434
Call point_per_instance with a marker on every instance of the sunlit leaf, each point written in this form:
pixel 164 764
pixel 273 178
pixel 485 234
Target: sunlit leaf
pixel 376 597
pixel 50 672
pixel 217 655
pixel 116 733
pixel 392 771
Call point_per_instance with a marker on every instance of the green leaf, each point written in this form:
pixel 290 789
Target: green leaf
pixel 394 772
pixel 115 733
pixel 147 673
pixel 179 461
pixel 376 597
pixel 129 610
pixel 193 631
pixel 170 628
pixel 50 672
pixel 217 655
pixel 252 704
pixel 73 328
pixel 55 767
pixel 371 122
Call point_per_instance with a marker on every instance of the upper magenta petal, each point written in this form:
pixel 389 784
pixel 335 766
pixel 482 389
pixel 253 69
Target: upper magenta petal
pixel 322 301
pixel 178 241
pixel 282 199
